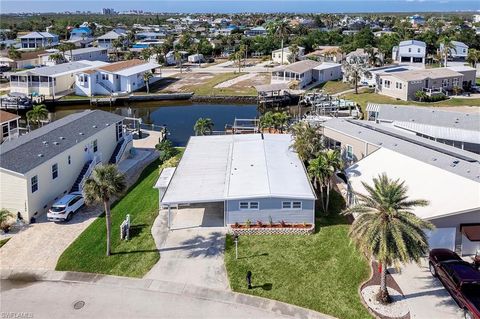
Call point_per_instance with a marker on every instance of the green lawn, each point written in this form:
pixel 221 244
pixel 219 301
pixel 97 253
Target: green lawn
pixel 208 88
pixel 363 98
pixel 322 271
pixel 133 258
pixel 4 241
pixel 333 87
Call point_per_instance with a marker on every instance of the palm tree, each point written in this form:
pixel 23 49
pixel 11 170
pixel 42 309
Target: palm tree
pixel 294 52
pixel 282 29
pixel 14 54
pixel 129 55
pixel 446 49
pixel 354 67
pixel 267 121
pixel 56 57
pixel 319 170
pixel 116 44
pixel 203 126
pixel 104 183
pixel 373 56
pixel 146 54
pixel 386 228
pixel 178 59
pixel 146 78
pixel 280 120
pixel 67 46
pixel 37 114
pixel 473 57
pixel 307 142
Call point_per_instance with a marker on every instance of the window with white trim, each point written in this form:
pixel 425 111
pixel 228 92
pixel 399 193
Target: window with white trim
pixel 34 183
pixel 286 205
pixel 297 205
pixel 292 205
pixel 54 171
pixel 248 205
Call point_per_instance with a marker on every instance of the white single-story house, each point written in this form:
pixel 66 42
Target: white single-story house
pixel 38 40
pixel 277 55
pixel 89 54
pixel 40 167
pixel 50 81
pixel 447 177
pixel 256 177
pixel 119 77
pixel 9 124
pixel 410 51
pixel 307 72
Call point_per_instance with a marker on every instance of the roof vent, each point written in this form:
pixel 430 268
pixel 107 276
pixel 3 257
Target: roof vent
pixel 56 143
pixel 434 159
pixel 81 133
pixel 107 124
pixel 94 126
pixel 40 155
pixel 456 161
pixel 45 143
pixel 61 137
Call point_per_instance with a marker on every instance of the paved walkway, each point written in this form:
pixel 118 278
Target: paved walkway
pixel 39 245
pixel 118 297
pixel 151 139
pixel 425 295
pixel 192 252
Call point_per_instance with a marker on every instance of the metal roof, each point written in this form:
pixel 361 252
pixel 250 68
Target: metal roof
pixel 298 67
pixel 62 69
pixel 85 50
pixel 137 69
pixel 33 149
pixel 426 115
pixel 441 132
pixel 446 157
pixel 228 167
pixel 447 193
pixel 35 35
pixel 412 42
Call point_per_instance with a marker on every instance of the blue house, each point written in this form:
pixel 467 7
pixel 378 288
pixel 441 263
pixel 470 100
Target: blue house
pixel 80 33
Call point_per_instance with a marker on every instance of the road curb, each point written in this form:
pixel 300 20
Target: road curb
pixel 277 307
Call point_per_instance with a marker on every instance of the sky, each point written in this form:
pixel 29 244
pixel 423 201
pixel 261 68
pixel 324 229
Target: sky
pixel 234 6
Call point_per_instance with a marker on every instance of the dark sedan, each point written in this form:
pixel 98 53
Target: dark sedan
pixel 460 278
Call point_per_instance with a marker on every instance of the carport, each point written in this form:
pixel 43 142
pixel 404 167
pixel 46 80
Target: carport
pixel 199 179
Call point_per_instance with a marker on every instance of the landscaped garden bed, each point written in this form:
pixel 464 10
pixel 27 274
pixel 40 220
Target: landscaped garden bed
pixel 271 229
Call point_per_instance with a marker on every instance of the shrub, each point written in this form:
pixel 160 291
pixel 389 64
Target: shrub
pixel 237 225
pixel 167 150
pixel 5 216
pixel 248 223
pixel 283 223
pixel 457 90
pixel 259 223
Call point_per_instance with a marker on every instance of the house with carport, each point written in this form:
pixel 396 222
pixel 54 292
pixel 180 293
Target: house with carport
pixel 251 177
pixel 447 177
pixel 307 72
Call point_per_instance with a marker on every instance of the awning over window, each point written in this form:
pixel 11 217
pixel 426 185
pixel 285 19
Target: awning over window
pixel 472 232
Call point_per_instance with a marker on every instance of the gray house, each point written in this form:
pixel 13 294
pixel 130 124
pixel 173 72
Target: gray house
pixel 256 177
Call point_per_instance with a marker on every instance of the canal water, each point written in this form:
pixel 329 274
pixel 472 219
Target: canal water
pixel 179 118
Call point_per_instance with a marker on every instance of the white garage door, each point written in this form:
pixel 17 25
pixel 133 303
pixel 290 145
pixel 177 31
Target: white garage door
pixel 442 238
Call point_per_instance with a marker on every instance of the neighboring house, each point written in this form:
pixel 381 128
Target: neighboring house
pixel 89 54
pixel 120 77
pixel 40 167
pixel 256 177
pixel 253 32
pixel 327 54
pixel 307 72
pixel 149 35
pixel 38 40
pixel 80 33
pixel 410 51
pixel 403 85
pixel 370 78
pixel 277 55
pixel 31 59
pixel 417 20
pixel 459 51
pixel 458 129
pixel 106 40
pixel 171 60
pixel 49 81
pixel 9 123
pixel 438 173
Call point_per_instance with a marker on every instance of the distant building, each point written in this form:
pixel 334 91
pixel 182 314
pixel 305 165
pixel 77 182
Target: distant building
pixel 38 40
pixel 40 167
pixel 459 52
pixel 89 54
pixel 476 18
pixel 9 124
pixel 49 81
pixel 403 85
pixel 417 20
pixel 327 54
pixel 410 51
pixel 108 11
pixel 307 72
pixel 120 77
pixel 287 55
pixel 253 32
pixel 80 33
pixel 106 40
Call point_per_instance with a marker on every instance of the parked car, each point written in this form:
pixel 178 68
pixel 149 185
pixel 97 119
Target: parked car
pixel 66 207
pixel 460 278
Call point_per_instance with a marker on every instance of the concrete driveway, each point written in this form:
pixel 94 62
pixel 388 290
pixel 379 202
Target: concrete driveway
pixel 192 252
pixel 425 295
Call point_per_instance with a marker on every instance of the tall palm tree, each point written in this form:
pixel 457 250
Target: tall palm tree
pixel 104 183
pixel 282 30
pixel 446 49
pixel 294 52
pixel 473 57
pixel 146 78
pixel 67 46
pixel 178 59
pixel 386 228
pixel 203 126
pixel 118 44
pixel 335 163
pixel 307 142
pixel 37 114
pixel 354 67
